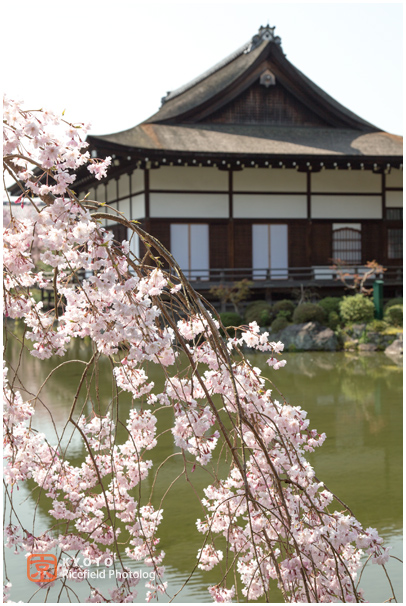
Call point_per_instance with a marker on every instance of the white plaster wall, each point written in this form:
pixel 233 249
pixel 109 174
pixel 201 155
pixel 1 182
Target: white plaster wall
pixel 346 207
pixel 101 193
pixel 134 241
pixel 394 198
pixel 269 179
pixel 92 194
pixel 137 181
pixel 138 206
pixel 124 207
pixel 394 178
pixel 188 177
pixel 108 209
pixel 191 206
pixel 260 206
pixel 124 186
pixel 111 190
pixel 351 181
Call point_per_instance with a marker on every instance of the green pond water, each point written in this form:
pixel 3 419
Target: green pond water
pixel 356 399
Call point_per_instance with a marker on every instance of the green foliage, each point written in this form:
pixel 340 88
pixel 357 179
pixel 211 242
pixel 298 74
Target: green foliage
pixel 265 317
pixel 394 315
pixel 256 303
pixel 341 337
pixel 357 309
pixel 333 320
pixel 279 324
pixel 330 304
pixel 308 312
pixel 254 311
pixel 36 294
pixel 284 313
pixel 364 338
pixel 395 301
pixel 230 318
pixel 286 306
pixel 377 326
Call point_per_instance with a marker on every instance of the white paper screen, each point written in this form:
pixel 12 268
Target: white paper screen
pixel 279 251
pixel 199 251
pixel 269 251
pixel 190 247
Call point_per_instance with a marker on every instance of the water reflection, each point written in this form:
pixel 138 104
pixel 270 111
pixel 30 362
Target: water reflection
pixel 356 400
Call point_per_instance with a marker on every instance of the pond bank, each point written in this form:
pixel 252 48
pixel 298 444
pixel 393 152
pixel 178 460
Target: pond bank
pixel 312 336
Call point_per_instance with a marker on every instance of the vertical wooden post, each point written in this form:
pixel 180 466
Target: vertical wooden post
pixel 309 220
pixel 231 233
pixel 146 190
pixel 383 195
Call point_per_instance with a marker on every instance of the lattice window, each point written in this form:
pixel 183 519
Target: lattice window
pixel 394 214
pixel 347 245
pixel 395 243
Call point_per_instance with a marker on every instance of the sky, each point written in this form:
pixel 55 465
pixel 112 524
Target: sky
pixel 110 63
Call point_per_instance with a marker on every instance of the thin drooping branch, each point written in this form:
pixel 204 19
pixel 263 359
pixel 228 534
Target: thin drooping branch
pixel 276 519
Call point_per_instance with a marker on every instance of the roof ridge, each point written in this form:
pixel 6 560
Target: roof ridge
pixel 264 33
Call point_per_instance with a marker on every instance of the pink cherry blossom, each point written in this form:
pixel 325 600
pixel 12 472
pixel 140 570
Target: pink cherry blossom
pixel 268 510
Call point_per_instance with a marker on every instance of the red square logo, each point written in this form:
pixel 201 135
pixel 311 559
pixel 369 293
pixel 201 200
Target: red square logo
pixel 42 568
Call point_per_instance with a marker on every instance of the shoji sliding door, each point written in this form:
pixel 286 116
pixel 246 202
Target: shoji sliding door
pixel 270 251
pixel 190 247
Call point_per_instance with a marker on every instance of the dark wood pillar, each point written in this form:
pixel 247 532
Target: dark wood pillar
pixel 231 230
pixel 308 248
pixel 309 194
pixel 146 194
pixel 383 196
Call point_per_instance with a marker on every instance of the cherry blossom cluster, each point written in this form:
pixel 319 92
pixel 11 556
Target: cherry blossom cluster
pixel 40 144
pixel 278 519
pixel 279 522
pixel 74 502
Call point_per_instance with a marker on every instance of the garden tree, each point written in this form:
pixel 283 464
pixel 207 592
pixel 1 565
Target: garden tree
pixel 356 281
pixel 235 293
pixel 277 522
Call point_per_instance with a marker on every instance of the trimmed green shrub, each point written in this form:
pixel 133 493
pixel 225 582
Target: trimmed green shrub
pixel 308 312
pixel 330 304
pixel 255 303
pixel 394 315
pixel 286 306
pixel 357 309
pixel 230 318
pixel 333 320
pixel 265 317
pixel 377 326
pixel 254 310
pixel 279 324
pixel 284 313
pixel 392 302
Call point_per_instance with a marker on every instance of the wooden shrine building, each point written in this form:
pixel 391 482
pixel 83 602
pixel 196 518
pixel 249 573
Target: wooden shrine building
pixel 251 170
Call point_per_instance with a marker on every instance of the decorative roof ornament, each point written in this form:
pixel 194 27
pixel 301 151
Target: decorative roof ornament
pixel 267 78
pixel 264 34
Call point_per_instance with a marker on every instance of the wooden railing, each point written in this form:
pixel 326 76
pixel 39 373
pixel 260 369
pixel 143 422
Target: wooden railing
pixel 290 276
